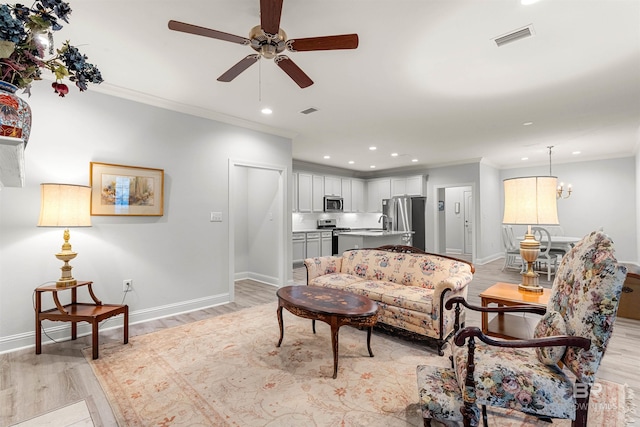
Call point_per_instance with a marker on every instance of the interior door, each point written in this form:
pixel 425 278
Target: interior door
pixel 468 221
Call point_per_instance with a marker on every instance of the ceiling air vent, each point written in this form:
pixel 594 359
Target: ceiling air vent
pixel 309 110
pixel 514 35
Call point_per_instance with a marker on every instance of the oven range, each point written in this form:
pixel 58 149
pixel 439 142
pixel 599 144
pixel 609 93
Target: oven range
pixel 330 224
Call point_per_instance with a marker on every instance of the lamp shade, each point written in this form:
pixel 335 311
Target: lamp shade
pixel 65 205
pixel 530 200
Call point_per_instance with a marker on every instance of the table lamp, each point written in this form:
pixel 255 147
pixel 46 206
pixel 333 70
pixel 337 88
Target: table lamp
pixel 65 205
pixel 530 201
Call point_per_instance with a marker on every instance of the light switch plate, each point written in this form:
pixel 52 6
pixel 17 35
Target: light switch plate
pixel 216 217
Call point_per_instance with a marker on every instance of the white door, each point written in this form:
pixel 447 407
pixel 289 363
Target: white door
pixel 468 222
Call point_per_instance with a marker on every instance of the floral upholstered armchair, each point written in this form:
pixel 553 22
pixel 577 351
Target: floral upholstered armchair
pixel 530 375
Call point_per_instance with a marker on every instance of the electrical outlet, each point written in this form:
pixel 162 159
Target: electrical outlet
pixel 127 285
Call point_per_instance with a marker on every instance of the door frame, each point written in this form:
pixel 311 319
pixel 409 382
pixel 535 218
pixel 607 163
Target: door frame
pixel 436 225
pixel 283 195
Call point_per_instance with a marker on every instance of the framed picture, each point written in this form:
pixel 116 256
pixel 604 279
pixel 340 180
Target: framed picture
pixel 441 205
pixel 126 190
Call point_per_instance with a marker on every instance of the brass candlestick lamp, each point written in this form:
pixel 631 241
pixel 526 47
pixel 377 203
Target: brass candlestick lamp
pixel 530 201
pixel 65 205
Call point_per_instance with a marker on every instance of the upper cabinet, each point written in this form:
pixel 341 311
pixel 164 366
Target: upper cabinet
pixel 318 193
pixel 294 199
pixel 409 185
pixel 377 189
pixel 305 189
pixel 358 196
pixel 345 187
pixel 332 186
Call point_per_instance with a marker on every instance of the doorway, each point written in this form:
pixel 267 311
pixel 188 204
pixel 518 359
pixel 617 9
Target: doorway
pixel 455 231
pixel 257 206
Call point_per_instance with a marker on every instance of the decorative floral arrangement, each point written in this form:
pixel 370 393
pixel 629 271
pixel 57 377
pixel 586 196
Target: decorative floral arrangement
pixel 26 35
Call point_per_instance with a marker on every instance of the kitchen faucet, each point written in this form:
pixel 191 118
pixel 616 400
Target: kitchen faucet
pixel 385 219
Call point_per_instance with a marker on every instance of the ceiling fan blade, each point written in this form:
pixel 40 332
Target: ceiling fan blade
pixel 270 12
pixel 289 67
pixel 235 71
pixel 207 32
pixel 344 41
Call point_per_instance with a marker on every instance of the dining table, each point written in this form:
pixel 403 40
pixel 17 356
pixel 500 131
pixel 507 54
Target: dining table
pixel 562 243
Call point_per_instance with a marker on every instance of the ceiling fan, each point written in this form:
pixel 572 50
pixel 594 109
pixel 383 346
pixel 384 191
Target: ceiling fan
pixel 269 40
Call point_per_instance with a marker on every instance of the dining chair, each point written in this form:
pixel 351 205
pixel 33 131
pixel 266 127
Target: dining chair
pixel 546 256
pixel 512 257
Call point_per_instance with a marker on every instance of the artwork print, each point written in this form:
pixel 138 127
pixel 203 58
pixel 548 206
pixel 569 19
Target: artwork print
pixel 126 190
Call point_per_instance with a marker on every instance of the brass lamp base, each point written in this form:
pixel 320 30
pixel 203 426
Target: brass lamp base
pixel 66 279
pixel 529 251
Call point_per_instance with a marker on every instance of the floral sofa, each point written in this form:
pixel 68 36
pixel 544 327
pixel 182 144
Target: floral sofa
pixel 409 285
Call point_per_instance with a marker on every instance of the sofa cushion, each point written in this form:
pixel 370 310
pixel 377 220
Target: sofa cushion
pixel 334 280
pixel 403 268
pixel 409 297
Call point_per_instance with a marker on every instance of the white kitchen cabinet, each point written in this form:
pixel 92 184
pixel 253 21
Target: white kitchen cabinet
pixel 294 195
pixel 314 245
pixel 357 196
pixel 317 200
pixel 305 192
pixel 377 189
pixel 326 243
pixel 345 184
pixel 332 186
pixel 409 185
pixel 299 248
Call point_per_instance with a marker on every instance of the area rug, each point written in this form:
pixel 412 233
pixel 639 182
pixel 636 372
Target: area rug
pixel 227 371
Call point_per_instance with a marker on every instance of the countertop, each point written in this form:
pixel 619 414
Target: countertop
pixel 374 233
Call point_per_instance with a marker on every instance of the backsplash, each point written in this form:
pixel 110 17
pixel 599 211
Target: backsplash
pixel 309 221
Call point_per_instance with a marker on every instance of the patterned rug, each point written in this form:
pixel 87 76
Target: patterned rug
pixel 227 371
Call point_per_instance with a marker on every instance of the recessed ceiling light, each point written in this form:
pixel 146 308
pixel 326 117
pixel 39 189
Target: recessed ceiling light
pixel 266 110
pixel 394 154
pixel 528 2
pixel 372 166
pixel 414 160
pixel 351 162
pixel 576 152
pixel 527 123
pixel 524 158
pixel 373 148
pixel 327 157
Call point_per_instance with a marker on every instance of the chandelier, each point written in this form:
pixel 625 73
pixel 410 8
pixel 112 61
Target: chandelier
pixel 560 191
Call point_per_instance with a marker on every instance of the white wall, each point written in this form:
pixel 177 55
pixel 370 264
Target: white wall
pixel 604 196
pixel 178 262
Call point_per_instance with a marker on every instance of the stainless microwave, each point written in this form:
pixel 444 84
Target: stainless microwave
pixel 333 204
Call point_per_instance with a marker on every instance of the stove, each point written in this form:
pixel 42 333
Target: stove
pixel 330 224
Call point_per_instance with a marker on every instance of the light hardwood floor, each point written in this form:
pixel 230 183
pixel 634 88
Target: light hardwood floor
pixel 31 385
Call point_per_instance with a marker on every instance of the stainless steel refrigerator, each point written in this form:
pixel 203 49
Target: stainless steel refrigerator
pixel 406 213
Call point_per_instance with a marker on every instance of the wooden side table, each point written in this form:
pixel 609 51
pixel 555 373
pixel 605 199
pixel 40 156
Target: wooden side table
pixel 510 326
pixel 75 312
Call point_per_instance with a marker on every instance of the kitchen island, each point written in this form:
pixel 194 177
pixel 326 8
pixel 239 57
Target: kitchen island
pixel 371 239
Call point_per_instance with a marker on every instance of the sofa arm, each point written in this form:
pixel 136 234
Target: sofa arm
pixel 319 266
pixel 454 283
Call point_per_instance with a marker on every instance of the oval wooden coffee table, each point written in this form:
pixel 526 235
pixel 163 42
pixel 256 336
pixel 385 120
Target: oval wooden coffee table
pixel 332 306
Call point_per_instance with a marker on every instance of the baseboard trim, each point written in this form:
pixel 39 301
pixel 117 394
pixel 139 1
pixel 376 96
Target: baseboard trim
pixel 61 331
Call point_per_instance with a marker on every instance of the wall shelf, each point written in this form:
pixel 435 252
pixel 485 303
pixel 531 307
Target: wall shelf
pixel 11 162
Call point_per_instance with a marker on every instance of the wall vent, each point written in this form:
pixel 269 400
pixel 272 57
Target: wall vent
pixel 309 110
pixel 512 36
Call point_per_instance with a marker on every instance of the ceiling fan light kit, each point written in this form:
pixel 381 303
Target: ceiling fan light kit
pixel 269 41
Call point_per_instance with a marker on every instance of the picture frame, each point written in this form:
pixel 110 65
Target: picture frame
pixel 120 190
pixel 441 205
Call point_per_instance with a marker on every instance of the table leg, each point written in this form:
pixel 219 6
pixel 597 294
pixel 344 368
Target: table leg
pixel 313 325
pixel 94 337
pixel 369 330
pixel 279 312
pixel 334 344
pixel 126 325
pixel 484 316
pixel 38 323
pixel 74 330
